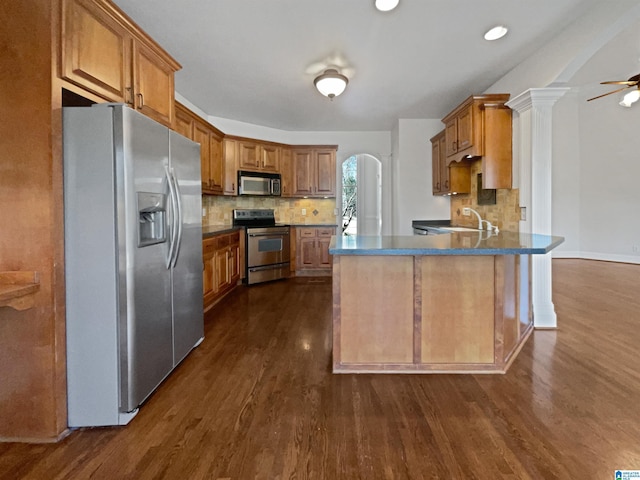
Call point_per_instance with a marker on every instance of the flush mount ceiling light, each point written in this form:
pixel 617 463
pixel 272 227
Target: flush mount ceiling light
pixel 496 32
pixel 386 5
pixel 331 83
pixel 630 98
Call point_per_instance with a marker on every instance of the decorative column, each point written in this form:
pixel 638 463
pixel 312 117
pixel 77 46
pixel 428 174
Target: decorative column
pixel 534 108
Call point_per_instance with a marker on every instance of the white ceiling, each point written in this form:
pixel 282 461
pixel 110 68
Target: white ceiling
pixel 255 60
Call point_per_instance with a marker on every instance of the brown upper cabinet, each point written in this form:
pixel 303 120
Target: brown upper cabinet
pixel 211 147
pixel 481 127
pixel 229 151
pixel 258 156
pixel 448 179
pixel 314 171
pixel 286 171
pixel 105 53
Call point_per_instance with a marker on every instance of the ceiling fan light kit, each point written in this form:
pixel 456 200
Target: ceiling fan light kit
pixel 331 83
pixel 386 5
pixel 630 98
pixel 496 32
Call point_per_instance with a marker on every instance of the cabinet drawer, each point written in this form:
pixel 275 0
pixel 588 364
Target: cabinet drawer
pixel 326 232
pixel 209 245
pixel 307 232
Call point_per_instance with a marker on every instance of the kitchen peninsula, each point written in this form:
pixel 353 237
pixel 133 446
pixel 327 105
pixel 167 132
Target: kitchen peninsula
pixel 452 303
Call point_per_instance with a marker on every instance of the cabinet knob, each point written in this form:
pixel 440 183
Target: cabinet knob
pixel 446 184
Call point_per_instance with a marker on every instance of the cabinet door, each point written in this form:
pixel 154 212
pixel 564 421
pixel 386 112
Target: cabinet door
pixel 96 51
pixel 230 166
pixel 234 263
pixel 153 83
pixel 216 165
pixel 443 169
pixel 325 259
pixel 451 137
pixel 248 155
pixel 183 122
pixel 303 180
pixel 465 129
pixel 285 172
pixel 222 268
pixel 270 158
pixel 201 136
pixel 435 165
pixel 325 173
pixel 307 253
pixel 209 283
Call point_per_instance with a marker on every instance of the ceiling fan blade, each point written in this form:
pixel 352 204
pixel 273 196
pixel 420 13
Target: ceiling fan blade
pixel 625 82
pixel 609 93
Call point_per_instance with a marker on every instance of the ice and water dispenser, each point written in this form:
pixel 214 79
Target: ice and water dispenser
pixel 151 218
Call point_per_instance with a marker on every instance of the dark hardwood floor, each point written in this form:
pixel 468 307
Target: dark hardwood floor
pixel 257 401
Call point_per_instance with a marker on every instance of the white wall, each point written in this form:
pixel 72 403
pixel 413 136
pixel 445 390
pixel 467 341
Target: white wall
pixel 413 199
pixel 595 163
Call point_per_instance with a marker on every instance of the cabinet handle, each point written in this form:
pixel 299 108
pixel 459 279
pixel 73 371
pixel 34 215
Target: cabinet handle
pixel 446 184
pixel 141 100
pixel 438 186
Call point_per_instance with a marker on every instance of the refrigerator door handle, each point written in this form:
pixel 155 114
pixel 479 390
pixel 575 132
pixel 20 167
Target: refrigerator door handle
pixel 174 207
pixel 176 189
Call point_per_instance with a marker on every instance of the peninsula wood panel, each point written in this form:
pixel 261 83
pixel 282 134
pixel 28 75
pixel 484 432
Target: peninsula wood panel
pixel 508 279
pixel 457 309
pixel 376 309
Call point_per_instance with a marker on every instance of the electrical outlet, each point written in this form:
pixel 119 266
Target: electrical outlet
pixel 523 214
pixel 466 212
pixel 204 212
pixel 304 211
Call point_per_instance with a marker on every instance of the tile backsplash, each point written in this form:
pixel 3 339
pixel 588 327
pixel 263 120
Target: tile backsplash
pixel 505 213
pixel 219 209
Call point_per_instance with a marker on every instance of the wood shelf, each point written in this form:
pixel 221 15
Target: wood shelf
pixel 17 289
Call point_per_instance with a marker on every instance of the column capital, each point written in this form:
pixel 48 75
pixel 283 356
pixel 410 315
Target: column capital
pixel 536 97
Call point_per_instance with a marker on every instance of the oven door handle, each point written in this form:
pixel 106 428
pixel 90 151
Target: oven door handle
pixel 272 234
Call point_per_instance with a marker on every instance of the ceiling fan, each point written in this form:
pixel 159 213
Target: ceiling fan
pixel 630 97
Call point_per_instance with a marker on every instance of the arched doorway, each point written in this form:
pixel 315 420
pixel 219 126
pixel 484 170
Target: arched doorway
pixel 361 195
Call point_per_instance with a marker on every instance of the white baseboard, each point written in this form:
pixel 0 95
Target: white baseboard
pixel 606 257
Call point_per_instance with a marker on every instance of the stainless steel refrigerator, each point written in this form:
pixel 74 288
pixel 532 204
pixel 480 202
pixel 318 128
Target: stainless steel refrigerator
pixel 133 259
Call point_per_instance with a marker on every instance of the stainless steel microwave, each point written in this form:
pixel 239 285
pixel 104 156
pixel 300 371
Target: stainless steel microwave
pixel 259 183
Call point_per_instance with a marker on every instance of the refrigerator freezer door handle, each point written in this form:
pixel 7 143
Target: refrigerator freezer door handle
pixel 172 196
pixel 178 195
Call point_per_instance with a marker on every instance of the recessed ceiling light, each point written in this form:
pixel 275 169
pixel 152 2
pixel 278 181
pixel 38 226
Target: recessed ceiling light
pixel 386 5
pixel 496 32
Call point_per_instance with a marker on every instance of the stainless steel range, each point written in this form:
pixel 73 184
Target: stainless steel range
pixel 267 245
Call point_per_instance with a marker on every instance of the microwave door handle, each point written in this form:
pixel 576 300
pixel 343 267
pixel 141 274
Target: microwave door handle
pixel 174 210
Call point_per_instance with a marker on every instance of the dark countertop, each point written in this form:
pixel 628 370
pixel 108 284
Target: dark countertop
pixel 213 230
pixel 473 242
pixel 431 223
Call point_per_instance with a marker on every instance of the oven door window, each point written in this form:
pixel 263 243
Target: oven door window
pixel 270 245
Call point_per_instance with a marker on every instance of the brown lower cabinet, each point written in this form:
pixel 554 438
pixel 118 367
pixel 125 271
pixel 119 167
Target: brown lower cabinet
pixel 222 266
pixel 312 250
